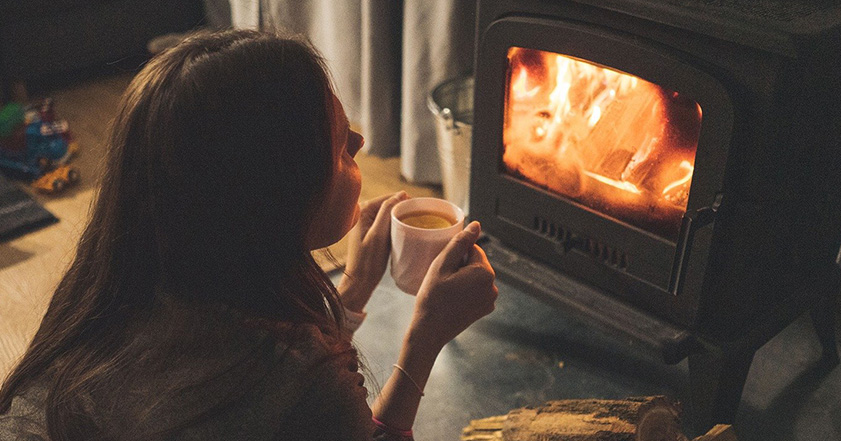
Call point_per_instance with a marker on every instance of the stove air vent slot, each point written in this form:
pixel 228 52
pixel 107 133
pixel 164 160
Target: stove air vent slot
pixel 567 240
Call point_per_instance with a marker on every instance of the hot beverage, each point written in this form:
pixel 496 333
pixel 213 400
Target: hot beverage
pixel 429 220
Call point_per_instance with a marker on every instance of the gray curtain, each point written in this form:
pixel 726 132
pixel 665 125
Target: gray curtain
pixel 218 13
pixel 385 57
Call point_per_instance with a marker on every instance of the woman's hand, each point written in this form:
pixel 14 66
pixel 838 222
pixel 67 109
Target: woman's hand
pixel 453 294
pixel 368 250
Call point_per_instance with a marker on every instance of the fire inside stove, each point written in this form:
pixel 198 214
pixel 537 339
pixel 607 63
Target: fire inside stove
pixel 606 139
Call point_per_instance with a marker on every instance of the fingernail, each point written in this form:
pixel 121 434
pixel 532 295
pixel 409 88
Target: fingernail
pixel 402 195
pixel 474 227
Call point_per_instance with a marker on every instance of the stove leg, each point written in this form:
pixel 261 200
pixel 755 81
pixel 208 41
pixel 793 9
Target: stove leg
pixel 823 318
pixel 717 378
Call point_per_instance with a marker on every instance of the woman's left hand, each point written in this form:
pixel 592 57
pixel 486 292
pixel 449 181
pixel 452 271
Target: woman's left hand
pixel 368 250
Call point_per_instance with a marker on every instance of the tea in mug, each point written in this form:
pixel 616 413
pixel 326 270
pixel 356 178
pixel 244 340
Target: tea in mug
pixel 428 220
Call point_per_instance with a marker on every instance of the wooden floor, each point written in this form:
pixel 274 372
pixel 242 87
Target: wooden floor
pixel 32 265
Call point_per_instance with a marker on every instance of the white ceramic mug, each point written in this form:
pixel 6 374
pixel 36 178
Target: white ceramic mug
pixel 413 248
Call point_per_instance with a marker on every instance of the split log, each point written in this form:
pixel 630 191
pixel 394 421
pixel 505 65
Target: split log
pixel 634 419
pixel 721 432
pixel 485 429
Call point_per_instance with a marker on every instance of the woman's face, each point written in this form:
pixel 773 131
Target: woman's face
pixel 339 210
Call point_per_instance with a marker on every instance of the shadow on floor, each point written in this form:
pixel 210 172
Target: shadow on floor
pixel 10 256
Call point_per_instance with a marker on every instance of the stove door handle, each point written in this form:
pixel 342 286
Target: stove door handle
pixel 692 221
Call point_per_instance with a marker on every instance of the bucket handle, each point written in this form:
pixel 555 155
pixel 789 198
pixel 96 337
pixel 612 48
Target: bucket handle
pixel 450 120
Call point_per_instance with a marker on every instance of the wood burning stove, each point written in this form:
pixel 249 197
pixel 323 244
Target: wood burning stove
pixel 670 169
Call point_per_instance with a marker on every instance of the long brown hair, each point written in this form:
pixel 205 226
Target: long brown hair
pixel 217 158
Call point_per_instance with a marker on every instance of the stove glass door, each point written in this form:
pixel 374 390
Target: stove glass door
pixel 606 139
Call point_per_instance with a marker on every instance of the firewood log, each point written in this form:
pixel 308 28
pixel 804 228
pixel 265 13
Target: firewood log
pixel 637 419
pixel 634 419
pixel 721 432
pixel 485 429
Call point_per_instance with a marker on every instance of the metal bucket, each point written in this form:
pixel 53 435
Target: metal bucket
pixel 452 104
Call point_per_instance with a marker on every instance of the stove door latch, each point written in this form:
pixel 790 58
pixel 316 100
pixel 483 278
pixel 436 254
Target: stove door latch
pixel 692 222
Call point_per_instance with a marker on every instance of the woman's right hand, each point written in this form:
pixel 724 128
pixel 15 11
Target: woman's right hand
pixel 454 294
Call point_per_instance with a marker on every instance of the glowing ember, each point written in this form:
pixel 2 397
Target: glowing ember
pixel 601 137
pixel 622 185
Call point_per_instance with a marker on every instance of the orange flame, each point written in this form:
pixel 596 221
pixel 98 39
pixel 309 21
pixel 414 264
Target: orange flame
pixel 689 170
pixel 622 185
pixel 519 87
pixel 610 140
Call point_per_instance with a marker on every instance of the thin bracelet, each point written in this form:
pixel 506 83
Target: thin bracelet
pixel 410 378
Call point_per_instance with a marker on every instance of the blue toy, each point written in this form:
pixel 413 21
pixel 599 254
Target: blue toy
pixel 33 142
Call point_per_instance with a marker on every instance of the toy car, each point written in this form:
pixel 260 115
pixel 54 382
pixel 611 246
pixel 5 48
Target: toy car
pixel 57 180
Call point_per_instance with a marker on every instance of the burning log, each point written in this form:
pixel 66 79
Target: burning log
pixel 634 419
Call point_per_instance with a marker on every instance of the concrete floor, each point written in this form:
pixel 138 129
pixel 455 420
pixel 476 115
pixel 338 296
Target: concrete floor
pixel 526 353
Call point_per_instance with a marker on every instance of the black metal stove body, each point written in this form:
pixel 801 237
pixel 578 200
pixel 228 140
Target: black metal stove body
pixel 759 240
pixel 763 212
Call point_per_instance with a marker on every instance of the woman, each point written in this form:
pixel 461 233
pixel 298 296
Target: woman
pixel 193 308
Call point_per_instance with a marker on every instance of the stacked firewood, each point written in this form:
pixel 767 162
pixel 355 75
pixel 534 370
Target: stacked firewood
pixel 633 419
